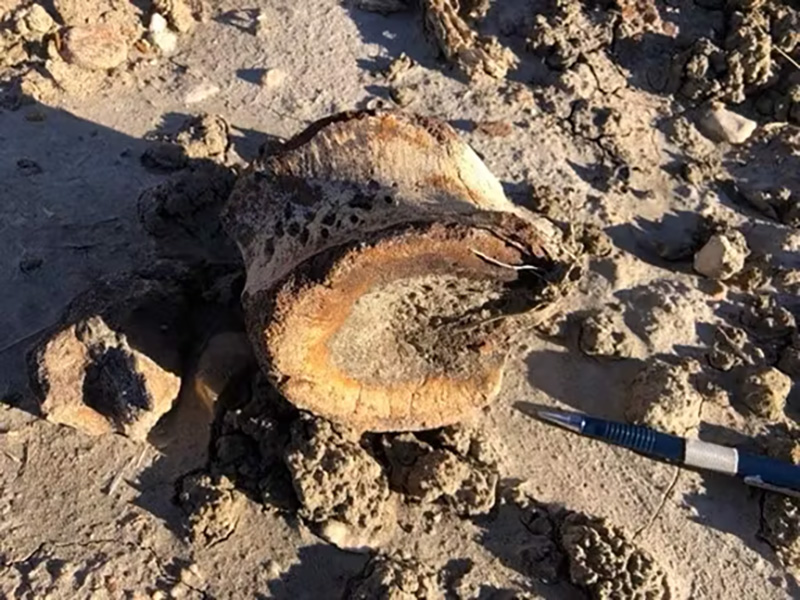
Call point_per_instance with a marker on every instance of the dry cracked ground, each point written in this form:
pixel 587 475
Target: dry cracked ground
pixel 142 453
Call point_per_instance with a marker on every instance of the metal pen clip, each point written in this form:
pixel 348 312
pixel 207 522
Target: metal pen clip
pixel 760 483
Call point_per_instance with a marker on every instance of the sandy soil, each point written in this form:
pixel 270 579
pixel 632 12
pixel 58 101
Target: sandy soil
pixel 235 495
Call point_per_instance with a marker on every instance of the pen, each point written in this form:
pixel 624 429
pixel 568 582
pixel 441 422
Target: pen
pixel 755 470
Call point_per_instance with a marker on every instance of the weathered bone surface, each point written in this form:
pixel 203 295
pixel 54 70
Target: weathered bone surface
pixel 379 253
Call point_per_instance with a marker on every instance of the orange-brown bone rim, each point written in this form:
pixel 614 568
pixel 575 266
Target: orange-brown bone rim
pixel 293 326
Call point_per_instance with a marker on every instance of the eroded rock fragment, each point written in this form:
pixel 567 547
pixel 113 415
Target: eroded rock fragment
pixel 95 381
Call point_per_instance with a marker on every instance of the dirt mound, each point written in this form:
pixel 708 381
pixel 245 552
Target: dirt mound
pixel 341 488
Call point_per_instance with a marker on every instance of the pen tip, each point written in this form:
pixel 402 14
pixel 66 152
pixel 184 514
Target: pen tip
pixel 572 421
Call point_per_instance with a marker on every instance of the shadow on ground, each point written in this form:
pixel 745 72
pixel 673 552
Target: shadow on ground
pixel 594 386
pixel 313 577
pixel 402 32
pixel 728 505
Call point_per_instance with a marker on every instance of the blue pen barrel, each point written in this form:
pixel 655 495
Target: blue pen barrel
pixel 636 437
pixel 774 472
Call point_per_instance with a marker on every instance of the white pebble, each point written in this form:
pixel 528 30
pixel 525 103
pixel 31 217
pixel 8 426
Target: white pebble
pixel 722 256
pixel 273 78
pixel 722 125
pixel 160 35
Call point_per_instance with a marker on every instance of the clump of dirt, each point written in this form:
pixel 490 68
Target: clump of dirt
pixel 566 32
pixel 588 551
pixel 465 440
pixel 764 391
pixel 744 62
pixel 342 490
pixel 83 51
pixel 473 54
pixel 781 441
pixel 604 560
pixel 398 67
pixel 541 556
pixel 182 214
pixel 455 470
pixel 608 127
pixel 766 319
pixel 394 578
pixel 593 240
pixel 250 440
pixel 605 334
pixel 758 273
pixel 204 136
pixel 82 47
pixel 663 396
pixel 780 517
pixel 213 506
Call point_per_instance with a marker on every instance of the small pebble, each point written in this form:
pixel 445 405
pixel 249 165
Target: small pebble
pixel 160 35
pixel 722 125
pixel 723 255
pixel 273 78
